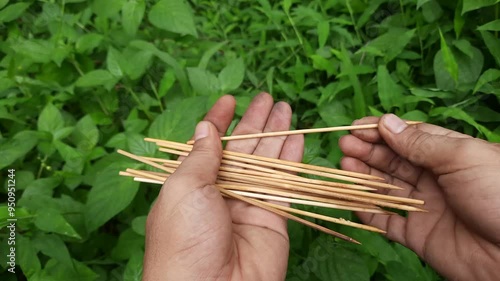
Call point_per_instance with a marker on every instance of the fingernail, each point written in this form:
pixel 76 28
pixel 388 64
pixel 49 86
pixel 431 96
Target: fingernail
pixel 202 130
pixel 394 124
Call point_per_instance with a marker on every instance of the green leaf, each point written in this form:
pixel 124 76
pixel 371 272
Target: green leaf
pixel 86 134
pixel 209 54
pixel 420 3
pixel 96 78
pixel 173 15
pixel 471 5
pixel 108 196
pixel 431 93
pixel 323 33
pixel 469 70
pixel 458 114
pixel 78 271
pixel 448 58
pixel 493 45
pixel 139 225
pixel 51 220
pixel 138 146
pixel 132 14
pixel 390 44
pixel 432 11
pixel 108 8
pixel 492 26
pixel 27 256
pixel 174 124
pixel 133 269
pixel 74 159
pixel 50 120
pixel 465 47
pixel 389 91
pixel 88 42
pixel 359 103
pixel 3 3
pixel 53 246
pixel 17 147
pixel 37 50
pixel 113 62
pixel 232 75
pixel 488 76
pixel 13 11
pixel 337 263
pixel 169 60
pixel 203 82
pixel 458 20
pixel 129 243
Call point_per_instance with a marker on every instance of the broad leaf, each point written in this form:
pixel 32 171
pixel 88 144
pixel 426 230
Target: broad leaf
pixel 174 124
pixel 491 26
pixel 388 91
pixel 132 14
pixel 96 78
pixel 203 82
pixel 12 12
pixel 471 5
pixel 109 196
pixel 232 75
pixel 17 147
pixel 50 220
pixel 50 119
pixel 173 15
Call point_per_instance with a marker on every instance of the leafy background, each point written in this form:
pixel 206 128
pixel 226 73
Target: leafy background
pixel 80 79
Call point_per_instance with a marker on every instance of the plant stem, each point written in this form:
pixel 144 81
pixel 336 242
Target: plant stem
pixel 140 103
pixel 153 87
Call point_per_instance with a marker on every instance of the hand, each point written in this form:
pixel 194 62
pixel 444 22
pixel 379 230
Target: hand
pixel 192 233
pixel 458 177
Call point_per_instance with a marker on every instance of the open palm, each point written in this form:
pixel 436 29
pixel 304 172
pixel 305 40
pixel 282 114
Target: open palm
pixel 206 237
pixel 459 179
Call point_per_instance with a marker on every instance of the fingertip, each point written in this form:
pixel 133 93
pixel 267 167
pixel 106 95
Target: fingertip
pixel 284 107
pixel 352 164
pixel 366 120
pixel 228 98
pixel 203 130
pixel 393 124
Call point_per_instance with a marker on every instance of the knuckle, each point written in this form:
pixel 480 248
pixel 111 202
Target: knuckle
pixel 419 144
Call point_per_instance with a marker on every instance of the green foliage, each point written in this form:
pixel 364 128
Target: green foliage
pixel 80 79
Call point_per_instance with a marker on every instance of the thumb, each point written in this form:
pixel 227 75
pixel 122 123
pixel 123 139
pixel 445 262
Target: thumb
pixel 421 148
pixel 201 167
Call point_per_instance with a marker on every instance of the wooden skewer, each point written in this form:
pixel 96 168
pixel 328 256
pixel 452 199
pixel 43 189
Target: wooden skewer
pixel 275 198
pixel 325 190
pixel 304 131
pixel 309 203
pixel 289 216
pixel 319 199
pixel 324 218
pixel 266 173
pixel 257 163
pixel 145 161
pixel 187 148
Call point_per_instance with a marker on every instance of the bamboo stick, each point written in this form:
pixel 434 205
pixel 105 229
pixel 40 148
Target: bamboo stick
pixel 309 202
pixel 324 218
pixel 289 216
pixel 325 190
pixel 320 199
pixel 292 168
pixel 185 147
pixel 173 163
pixel 304 131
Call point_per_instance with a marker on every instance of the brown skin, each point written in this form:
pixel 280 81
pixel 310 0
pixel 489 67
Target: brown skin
pixel 458 177
pixel 193 233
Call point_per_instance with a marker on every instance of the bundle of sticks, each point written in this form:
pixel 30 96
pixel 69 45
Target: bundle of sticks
pixel 263 182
